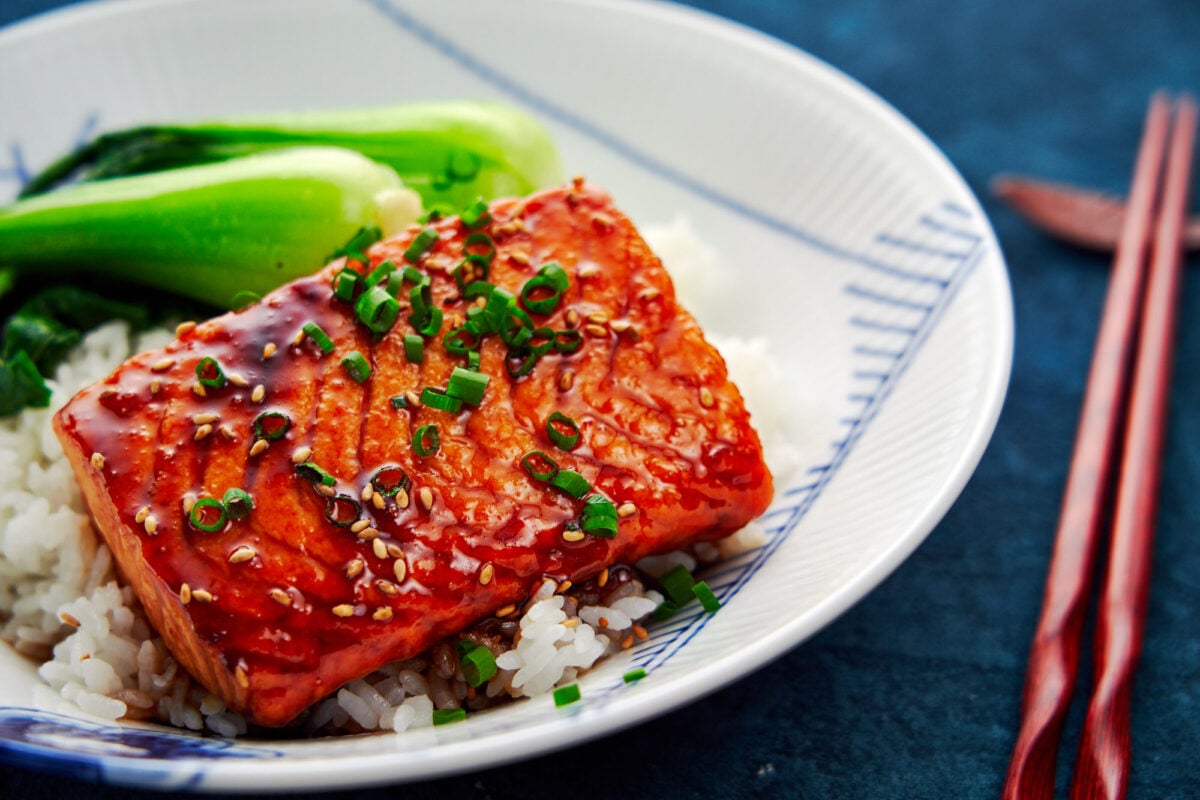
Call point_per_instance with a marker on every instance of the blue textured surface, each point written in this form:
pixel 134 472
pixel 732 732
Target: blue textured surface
pixel 914 692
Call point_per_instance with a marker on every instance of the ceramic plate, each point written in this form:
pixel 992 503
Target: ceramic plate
pixel 861 257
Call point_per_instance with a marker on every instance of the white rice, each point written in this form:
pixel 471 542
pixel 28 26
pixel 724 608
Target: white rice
pixel 61 602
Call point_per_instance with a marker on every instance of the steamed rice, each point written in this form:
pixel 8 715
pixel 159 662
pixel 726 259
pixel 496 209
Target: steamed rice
pixel 62 604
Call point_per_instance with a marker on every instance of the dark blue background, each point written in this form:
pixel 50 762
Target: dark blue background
pixel 914 693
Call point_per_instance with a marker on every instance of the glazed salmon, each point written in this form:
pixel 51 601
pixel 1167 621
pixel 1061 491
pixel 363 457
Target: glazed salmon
pixel 292 515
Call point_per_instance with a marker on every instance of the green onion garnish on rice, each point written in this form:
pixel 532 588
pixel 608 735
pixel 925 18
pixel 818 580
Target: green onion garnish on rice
pixel 565 695
pixel 444 716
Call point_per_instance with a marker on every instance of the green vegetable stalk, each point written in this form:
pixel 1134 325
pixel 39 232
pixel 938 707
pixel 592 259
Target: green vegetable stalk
pixel 209 232
pixel 450 152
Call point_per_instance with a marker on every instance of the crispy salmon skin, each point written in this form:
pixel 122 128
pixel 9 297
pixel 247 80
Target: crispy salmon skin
pixel 361 537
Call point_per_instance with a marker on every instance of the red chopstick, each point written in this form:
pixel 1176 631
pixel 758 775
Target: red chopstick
pixel 1054 656
pixel 1102 770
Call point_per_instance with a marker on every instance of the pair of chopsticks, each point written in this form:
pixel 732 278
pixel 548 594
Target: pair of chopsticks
pixel 1126 395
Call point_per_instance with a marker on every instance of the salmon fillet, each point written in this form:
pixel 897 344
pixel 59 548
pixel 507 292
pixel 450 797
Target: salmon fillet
pixel 328 578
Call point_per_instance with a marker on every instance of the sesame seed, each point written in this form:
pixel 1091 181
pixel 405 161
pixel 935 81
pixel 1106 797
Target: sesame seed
pixel 269 350
pixel 202 595
pixel 627 643
pixel 202 432
pixel 141 514
pixel 706 397
pixel 237 379
pixel 400 567
pixel 626 510
pixel 598 317
pixel 301 455
pixel 517 257
pixel 367 492
pixel 185 594
pixel 412 397
pixel 380 548
pixel 650 294
pixel 97 461
pixel 566 380
pixel 155 386
pixel 378 501
pixel 571 535
pixel 355 568
pixel 162 365
pixel 426 496
pixel 395 551
pixel 602 581
pixel 184 328
pixel 151 524
pixel 387 587
pixel 562 587
pixel 258 393
pixel 241 554
pixel 382 614
pixel 596 330
pixel 325 491
pixel 571 318
pixel 401 498
pixel 243 680
pixel 602 222
pixel 199 390
pixel 640 632
pixel 189 502
pixel 259 447
pixel 298 338
pixel 589 270
pixel 228 432
pixel 280 596
pixel 367 534
pixel 359 524
pixel 570 623
pixel 506 611
pixel 620 325
pixel 69 620
pixel 486 574
pixel 343 610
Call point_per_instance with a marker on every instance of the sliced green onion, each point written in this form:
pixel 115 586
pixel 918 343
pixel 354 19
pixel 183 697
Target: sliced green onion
pixel 476 289
pixel 357 366
pixel 445 716
pixel 597 505
pixel 665 610
pixel 346 285
pixel 439 400
pixel 312 471
pixel 425 440
pixel 478 665
pixel 565 695
pixel 540 466
pixel 678 584
pixel 603 527
pixel 395 283
pixel 388 481
pixel 380 274
pixel 467 385
pixel 271 425
pixel 414 348
pixel 377 309
pixel 321 339
pixel 706 597
pixel 207 514
pixel 357 246
pixel 498 302
pixel 480 240
pixel 460 341
pixel 420 245
pixel 429 323
pixel 210 374
pixel 554 273
pixel 567 341
pixel 342 510
pixel 571 482
pixel 473 359
pixel 243 299
pixel 634 675
pixel 463 165
pixel 415 276
pixel 563 431
pixel 540 295
pixel 520 362
pixel 238 503
pixel 476 215
pixel 399 402
pixel 472 269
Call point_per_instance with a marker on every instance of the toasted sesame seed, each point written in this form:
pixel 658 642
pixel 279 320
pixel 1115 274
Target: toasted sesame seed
pixel 155 386
pixel 517 257
pixel 562 587
pixel 480 302
pixel 589 270
pixel 650 294
pixel 570 623
pixel 640 632
pixel 141 514
pixel 706 397
pixel 506 611
pixel 367 534
pixel 566 380
pixel 382 614
pixel 627 642
pixel 241 554
pixel 243 680
pixel 269 350
pixel 162 365
pixel 380 548
pixel 259 447
pixel 69 620
pixel 198 389
pixel 401 498
pixel 598 317
pixel 626 510
pixel 189 502
pixel 202 432
pixel 378 500
pixel 573 535
pixel 486 574
pixel 97 461
pixel 237 379
pixel 324 490
pixel 571 318
pixel 151 524
pixel 280 596
pixel 426 495
pixel 202 595
pixel 596 330
pixel 395 551
pixel 602 581
pixel 185 327
pixel 228 432
pixel 355 568
pixel 367 491
pixel 185 594
pixel 298 338
pixel 258 393
pixel 414 400
pixel 400 567
pixel 387 587
pixel 620 325
pixel 301 454
pixel 359 524
pixel 343 610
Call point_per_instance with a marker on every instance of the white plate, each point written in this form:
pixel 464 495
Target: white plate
pixel 863 256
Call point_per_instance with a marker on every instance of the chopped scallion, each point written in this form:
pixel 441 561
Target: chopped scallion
pixel 472 269
pixel 271 425
pixel 318 336
pixel 473 359
pixel 678 584
pixel 314 472
pixel 425 440
pixel 540 466
pixel 563 431
pixel 571 482
pixel 377 309
pixel 567 341
pixel 480 245
pixel 467 385
pixel 414 348
pixel 444 716
pixel 388 481
pixel 357 366
pixel 478 665
pixel 346 285
pixel 439 400
pixel 210 374
pixel 706 597
pixel 342 510
pixel 634 675
pixel 420 245
pixel 604 527
pixel 565 695
pixel 476 215
pixel 238 503
pixel 207 514
pixel 380 274
pixel 243 299
pixel 399 402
